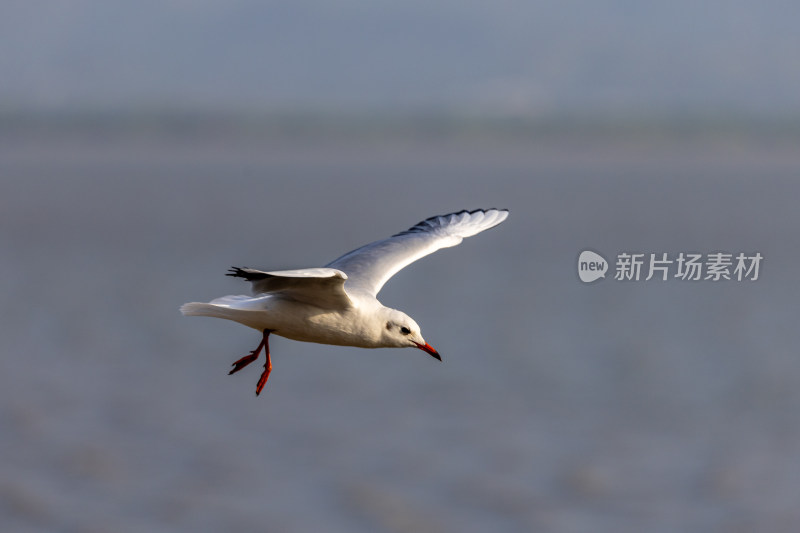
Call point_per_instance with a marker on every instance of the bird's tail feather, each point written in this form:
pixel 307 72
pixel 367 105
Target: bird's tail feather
pixel 238 308
pixel 205 309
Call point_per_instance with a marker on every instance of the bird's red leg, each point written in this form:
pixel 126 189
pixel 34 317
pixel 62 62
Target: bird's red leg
pixel 252 356
pixel 267 367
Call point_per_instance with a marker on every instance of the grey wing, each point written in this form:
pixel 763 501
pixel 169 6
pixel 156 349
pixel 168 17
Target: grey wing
pixel 368 268
pixel 323 287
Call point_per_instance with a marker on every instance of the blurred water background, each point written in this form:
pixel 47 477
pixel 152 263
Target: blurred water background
pixel 144 150
pixel 657 406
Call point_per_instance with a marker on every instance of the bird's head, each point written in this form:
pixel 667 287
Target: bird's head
pixel 401 331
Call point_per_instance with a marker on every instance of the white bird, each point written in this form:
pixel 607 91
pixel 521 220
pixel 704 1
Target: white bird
pixel 337 304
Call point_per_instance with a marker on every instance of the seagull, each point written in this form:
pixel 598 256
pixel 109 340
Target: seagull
pixel 337 304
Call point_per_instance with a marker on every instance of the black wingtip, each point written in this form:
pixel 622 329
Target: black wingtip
pixel 246 273
pixel 236 272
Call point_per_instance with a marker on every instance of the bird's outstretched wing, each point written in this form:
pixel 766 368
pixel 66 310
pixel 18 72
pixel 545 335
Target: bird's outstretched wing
pixel 323 287
pixel 368 268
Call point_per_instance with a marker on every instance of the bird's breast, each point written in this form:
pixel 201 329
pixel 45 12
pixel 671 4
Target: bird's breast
pixel 299 321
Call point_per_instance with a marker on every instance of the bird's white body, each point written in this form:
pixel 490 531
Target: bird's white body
pixel 337 304
pixel 352 326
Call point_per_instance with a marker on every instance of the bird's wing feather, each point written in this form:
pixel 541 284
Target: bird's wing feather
pixel 323 287
pixel 368 268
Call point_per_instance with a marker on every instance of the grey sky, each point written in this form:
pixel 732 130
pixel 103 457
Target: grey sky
pixel 507 56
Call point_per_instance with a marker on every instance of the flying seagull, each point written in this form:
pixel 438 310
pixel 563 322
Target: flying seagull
pixel 337 304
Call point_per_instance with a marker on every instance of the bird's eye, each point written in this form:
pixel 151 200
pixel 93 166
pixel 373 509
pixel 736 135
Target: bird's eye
pixel 405 331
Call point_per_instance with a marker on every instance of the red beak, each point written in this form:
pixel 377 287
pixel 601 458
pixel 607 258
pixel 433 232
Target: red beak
pixel 428 348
